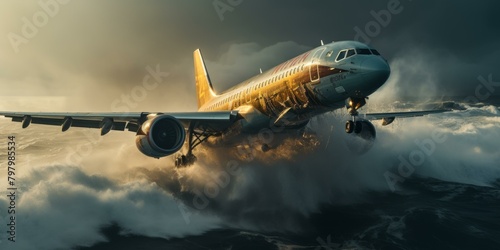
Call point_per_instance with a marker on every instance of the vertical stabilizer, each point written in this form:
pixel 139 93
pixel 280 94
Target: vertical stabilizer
pixel 204 89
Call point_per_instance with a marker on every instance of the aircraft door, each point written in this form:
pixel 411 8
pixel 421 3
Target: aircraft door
pixel 314 67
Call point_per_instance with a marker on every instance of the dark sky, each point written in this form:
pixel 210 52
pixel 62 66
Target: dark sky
pixel 98 50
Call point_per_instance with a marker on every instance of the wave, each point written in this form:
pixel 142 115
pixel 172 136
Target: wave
pixel 258 191
pixel 61 206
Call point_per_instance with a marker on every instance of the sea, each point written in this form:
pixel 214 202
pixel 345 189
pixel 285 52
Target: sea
pixel 429 182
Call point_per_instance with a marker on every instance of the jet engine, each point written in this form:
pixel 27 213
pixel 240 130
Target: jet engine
pixel 160 136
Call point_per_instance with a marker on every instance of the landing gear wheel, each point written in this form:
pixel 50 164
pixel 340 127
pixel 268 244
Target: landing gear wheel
pixel 358 127
pixel 184 160
pixel 265 148
pixel 362 141
pixel 349 127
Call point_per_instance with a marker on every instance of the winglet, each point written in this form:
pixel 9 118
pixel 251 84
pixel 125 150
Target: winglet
pixel 204 89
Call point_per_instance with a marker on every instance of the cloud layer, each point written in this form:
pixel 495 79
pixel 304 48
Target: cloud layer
pixel 100 50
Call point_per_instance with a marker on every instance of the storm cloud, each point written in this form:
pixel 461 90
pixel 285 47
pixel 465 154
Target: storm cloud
pixel 100 50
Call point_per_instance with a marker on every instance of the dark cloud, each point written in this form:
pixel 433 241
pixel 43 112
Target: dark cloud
pixel 99 49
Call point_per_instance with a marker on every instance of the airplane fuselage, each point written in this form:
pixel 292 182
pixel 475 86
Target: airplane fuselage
pixel 315 82
pixel 285 98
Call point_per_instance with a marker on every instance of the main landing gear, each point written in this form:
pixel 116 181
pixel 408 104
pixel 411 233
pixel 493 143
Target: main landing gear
pixel 184 160
pixel 195 138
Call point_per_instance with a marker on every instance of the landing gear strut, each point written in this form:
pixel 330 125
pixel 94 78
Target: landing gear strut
pixel 353 104
pixel 195 138
pixel 358 128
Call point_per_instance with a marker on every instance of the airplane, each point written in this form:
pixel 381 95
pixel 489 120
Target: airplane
pixel 332 76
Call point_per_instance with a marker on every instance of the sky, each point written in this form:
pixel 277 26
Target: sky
pixel 73 55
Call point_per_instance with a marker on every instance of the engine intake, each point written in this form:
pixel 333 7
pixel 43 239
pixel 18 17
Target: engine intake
pixel 160 136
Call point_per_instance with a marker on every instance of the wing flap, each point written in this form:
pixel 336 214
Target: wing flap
pixel 75 122
pixel 212 121
pixel 388 118
pixel 217 121
pixel 78 115
pixel 378 116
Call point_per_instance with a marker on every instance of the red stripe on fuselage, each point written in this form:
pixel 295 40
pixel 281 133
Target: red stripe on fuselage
pixel 292 62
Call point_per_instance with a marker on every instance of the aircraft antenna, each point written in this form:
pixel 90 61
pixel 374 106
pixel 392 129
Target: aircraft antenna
pixel 322 43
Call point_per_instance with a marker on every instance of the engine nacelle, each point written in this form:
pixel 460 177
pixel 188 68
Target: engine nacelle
pixel 160 136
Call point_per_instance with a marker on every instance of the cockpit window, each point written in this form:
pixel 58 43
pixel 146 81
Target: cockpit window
pixel 341 55
pixel 350 53
pixel 363 52
pixel 344 54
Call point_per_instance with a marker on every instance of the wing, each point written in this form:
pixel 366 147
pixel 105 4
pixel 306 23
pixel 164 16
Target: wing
pixel 388 118
pixel 214 121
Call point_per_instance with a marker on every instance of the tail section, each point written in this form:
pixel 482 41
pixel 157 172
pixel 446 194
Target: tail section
pixel 204 89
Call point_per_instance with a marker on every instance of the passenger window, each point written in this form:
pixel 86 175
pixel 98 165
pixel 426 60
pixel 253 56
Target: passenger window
pixel 350 53
pixel 341 55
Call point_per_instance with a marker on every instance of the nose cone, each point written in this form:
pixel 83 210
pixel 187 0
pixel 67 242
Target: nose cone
pixel 376 70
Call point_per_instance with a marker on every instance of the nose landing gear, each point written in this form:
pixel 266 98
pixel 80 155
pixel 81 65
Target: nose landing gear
pixel 360 128
pixel 356 125
pixel 353 104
